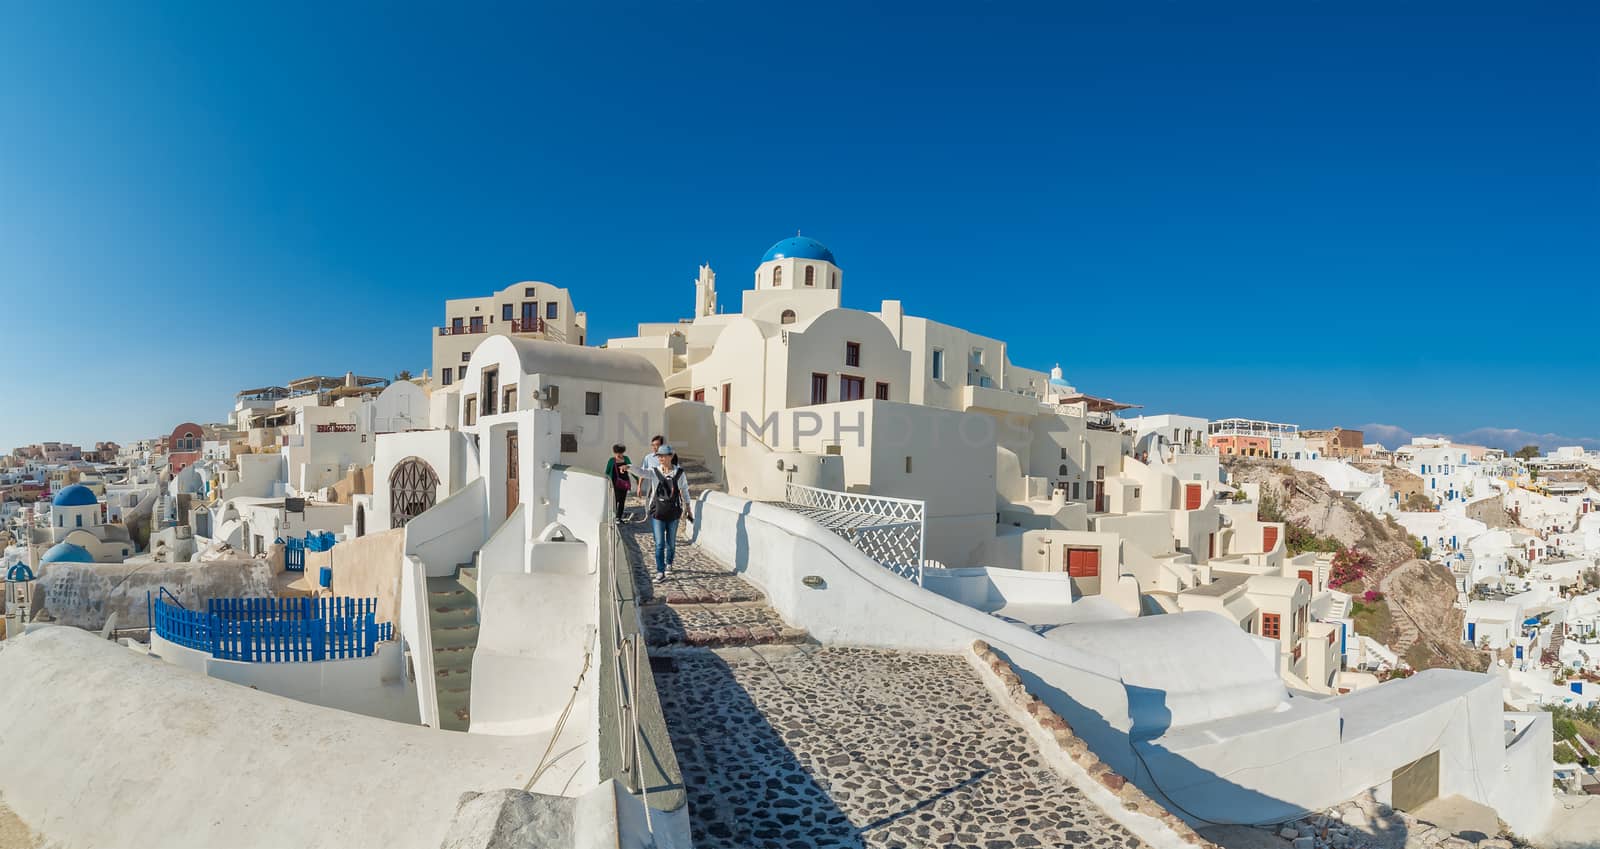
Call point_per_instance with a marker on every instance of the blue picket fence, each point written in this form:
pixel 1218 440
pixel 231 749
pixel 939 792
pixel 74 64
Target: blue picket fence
pixel 273 630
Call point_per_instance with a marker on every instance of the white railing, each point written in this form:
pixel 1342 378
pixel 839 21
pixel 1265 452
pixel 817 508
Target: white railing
pixel 892 531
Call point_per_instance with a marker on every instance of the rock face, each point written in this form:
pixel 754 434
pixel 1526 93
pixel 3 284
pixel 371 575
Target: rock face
pixel 510 819
pixel 1307 501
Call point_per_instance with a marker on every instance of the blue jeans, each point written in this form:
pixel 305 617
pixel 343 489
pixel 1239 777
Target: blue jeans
pixel 666 534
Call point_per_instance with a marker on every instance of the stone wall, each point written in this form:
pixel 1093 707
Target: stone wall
pixel 83 595
pixel 369 567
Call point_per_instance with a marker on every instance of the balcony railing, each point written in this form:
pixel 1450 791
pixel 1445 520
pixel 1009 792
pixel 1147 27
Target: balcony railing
pixel 464 330
pixel 527 325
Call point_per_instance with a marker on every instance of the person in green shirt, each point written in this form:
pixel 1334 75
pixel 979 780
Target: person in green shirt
pixel 617 470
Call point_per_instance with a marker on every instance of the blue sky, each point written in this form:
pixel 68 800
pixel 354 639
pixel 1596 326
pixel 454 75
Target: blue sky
pixel 1327 213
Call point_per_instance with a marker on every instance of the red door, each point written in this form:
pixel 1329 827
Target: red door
pixel 1191 496
pixel 1305 575
pixel 700 395
pixel 1269 537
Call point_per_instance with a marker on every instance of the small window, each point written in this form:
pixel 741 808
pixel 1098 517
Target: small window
pixel 591 403
pixel 882 391
pixel 569 443
pixel 1063 454
pixel 469 406
pixel 852 353
pixel 977 356
pixel 777 275
pixel 908 464
pixel 787 317
pixel 466 356
pixel 819 388
pixel 449 375
pixel 727 397
pixel 490 391
pixel 508 399
pixel 529 292
pixel 505 312
pixel 551 310
pixel 834 282
pixel 938 364
pixel 1270 625
pixel 461 373
pixel 811 274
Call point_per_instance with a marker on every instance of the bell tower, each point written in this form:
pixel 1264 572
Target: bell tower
pixel 705 292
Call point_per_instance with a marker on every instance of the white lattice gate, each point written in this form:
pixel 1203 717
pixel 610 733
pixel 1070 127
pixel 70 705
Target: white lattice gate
pixel 892 531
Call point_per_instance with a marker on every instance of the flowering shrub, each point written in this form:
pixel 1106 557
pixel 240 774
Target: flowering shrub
pixel 1371 596
pixel 1348 565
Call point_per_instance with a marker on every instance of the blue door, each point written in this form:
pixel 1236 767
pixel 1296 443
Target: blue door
pixel 1472 633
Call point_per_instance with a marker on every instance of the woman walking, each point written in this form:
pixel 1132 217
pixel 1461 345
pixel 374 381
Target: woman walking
pixel 617 470
pixel 669 502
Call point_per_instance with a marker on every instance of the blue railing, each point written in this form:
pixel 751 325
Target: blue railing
pixel 273 630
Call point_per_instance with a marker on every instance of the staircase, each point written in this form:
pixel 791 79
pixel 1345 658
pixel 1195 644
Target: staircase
pixel 701 478
pixel 453 624
pixel 1558 637
pixel 1339 605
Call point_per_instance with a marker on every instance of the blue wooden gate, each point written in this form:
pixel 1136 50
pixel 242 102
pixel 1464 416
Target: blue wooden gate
pixel 294 555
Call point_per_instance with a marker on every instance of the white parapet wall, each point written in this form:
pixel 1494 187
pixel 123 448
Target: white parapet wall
pixel 103 747
pixel 1231 746
pixel 373 686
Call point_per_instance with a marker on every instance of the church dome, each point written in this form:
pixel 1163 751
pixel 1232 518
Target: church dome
pixel 799 247
pixel 66 552
pixel 76 495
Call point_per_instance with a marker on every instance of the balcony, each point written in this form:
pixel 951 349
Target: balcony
pixel 464 330
pixel 527 325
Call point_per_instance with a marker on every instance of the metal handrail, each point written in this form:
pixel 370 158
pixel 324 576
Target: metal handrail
pixel 625 651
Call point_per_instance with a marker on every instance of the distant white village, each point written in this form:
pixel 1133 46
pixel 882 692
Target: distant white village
pixel 918 596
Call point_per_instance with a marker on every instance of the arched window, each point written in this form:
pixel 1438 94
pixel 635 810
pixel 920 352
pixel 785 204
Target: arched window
pixel 787 317
pixel 811 274
pixel 413 486
pixel 777 276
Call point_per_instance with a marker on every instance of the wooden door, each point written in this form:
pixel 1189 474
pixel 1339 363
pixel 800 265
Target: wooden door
pixel 513 478
pixel 1310 579
pixel 1191 496
pixel 1269 537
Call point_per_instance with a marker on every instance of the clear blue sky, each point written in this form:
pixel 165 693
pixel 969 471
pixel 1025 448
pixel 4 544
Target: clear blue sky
pixel 1327 213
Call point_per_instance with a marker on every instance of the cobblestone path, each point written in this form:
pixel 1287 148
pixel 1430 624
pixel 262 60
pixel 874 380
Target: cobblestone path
pixel 702 603
pixel 807 747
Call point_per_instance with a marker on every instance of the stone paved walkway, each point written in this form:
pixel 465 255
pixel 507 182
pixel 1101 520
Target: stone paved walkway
pixel 807 747
pixel 695 577
pixel 702 603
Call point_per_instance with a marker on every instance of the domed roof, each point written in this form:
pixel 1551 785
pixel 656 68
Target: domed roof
pixel 66 552
pixel 799 247
pixel 76 495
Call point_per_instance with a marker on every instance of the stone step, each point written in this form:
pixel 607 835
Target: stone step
pixel 717 625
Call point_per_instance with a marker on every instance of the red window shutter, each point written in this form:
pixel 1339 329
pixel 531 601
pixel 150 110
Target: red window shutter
pixel 1270 626
pixel 1083 562
pixel 1191 497
pixel 1305 575
pixel 1269 537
